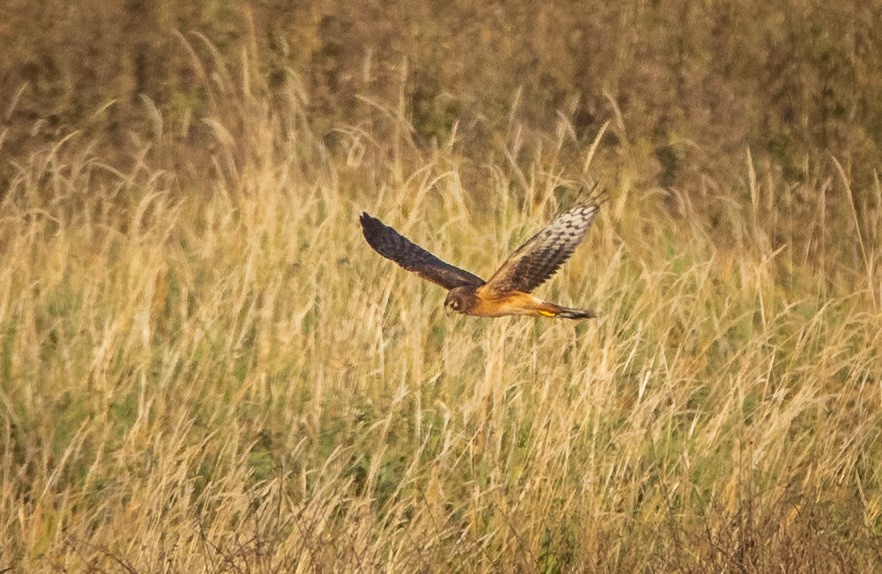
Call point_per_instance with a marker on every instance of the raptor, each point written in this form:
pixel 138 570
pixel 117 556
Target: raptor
pixel 509 290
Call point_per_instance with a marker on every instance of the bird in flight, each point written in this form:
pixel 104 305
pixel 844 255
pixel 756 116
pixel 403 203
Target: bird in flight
pixel 509 290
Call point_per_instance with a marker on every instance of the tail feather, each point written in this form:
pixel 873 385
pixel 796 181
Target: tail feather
pixel 570 313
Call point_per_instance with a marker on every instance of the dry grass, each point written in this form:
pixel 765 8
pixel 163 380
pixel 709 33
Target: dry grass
pixel 220 376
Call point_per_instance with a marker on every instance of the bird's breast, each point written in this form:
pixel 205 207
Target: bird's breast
pixel 500 305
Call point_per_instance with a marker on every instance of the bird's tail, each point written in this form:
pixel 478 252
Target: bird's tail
pixel 570 313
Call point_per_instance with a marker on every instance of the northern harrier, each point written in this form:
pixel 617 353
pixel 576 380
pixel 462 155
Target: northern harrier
pixel 508 292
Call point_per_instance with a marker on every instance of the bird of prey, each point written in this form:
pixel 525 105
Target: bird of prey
pixel 509 290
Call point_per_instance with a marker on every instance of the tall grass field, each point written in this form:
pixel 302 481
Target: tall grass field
pixel 205 368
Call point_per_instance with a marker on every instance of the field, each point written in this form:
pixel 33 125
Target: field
pixel 217 374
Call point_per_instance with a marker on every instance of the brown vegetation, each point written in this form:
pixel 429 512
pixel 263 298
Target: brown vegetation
pixel 203 368
pixel 696 83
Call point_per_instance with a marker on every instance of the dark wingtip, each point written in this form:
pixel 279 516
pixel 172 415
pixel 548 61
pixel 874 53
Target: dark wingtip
pixel 592 194
pixel 369 224
pixel 375 233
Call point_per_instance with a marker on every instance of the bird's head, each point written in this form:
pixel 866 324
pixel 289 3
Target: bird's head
pixel 460 299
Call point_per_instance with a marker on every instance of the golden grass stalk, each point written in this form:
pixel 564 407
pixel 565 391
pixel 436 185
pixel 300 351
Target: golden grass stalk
pixel 218 375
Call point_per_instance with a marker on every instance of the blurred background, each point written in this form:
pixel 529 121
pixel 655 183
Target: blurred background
pixel 204 368
pixel 689 86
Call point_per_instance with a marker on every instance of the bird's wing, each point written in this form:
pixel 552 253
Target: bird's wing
pixel 541 256
pixel 392 245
